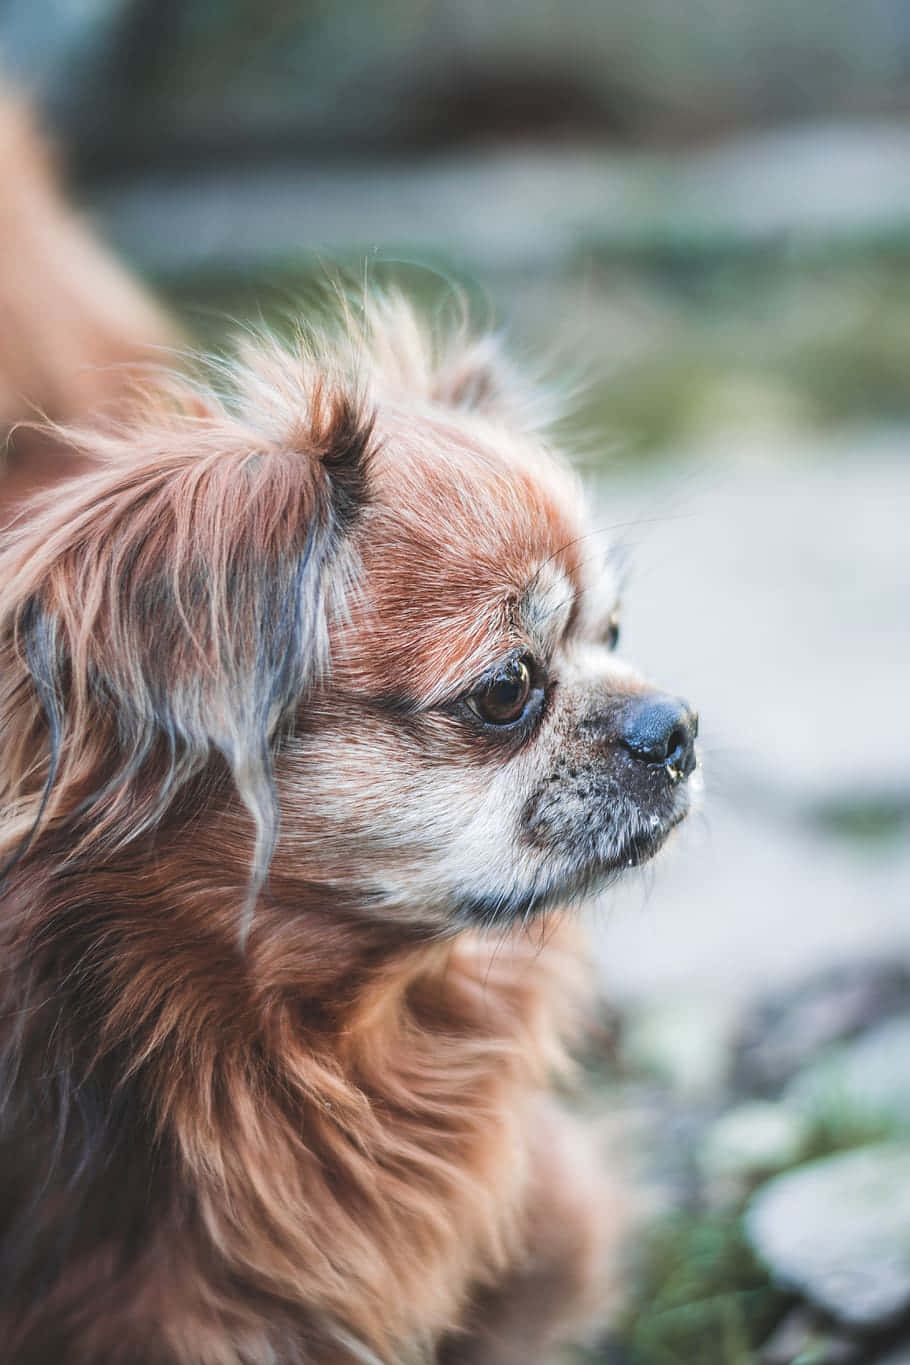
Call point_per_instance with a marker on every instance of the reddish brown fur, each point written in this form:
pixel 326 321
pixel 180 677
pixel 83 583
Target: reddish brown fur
pixel 253 1121
pixel 488 558
pixel 330 1130
pixel 344 1140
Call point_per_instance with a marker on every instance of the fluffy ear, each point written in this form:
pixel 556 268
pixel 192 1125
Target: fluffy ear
pixel 173 605
pixel 456 368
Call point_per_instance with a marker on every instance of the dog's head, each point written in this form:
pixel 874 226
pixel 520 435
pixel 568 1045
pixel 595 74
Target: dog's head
pixel 363 599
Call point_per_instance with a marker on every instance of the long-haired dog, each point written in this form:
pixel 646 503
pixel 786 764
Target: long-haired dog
pixel 310 724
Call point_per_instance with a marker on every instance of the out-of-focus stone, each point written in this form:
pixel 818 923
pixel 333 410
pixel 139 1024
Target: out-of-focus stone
pixel 685 1040
pixel 800 1338
pixel 865 1082
pixel 786 1029
pixel 752 1140
pixel 838 1231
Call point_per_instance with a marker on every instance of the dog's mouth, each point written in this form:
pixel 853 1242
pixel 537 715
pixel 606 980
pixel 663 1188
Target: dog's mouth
pixel 638 847
pixel 578 885
pixel 642 846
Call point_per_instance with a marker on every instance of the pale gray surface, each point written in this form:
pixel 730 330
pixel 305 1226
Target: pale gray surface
pixel 771 587
pixel 838 1230
pixel 867 1080
pixel 757 1137
pixel 770 580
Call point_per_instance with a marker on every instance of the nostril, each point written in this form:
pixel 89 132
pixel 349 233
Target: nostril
pixel 661 731
pixel 677 742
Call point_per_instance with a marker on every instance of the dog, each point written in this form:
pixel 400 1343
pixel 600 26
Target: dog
pixel 312 732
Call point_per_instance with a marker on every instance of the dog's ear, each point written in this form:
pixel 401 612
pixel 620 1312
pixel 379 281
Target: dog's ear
pixel 173 604
pixel 454 368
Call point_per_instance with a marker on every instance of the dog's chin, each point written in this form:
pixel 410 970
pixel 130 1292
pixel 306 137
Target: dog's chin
pixel 495 910
pixel 641 847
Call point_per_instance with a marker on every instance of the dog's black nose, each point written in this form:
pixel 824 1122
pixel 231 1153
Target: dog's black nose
pixel 661 730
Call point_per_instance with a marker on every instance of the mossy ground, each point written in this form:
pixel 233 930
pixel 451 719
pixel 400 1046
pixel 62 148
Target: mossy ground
pixel 700 1297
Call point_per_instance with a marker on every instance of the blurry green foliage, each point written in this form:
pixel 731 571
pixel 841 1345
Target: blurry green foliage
pixel 700 1297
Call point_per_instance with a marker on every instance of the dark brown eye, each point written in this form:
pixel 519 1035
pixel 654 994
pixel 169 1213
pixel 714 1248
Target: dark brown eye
pixel 504 698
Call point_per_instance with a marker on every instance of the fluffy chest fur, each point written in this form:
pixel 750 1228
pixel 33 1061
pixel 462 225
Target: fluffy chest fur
pixel 196 1157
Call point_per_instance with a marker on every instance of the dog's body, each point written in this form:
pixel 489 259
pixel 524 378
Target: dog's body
pixel 309 724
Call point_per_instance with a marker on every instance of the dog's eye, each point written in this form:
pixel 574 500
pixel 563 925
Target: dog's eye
pixel 503 699
pixel 611 637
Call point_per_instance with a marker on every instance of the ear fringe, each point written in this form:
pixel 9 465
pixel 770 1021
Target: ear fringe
pixel 173 605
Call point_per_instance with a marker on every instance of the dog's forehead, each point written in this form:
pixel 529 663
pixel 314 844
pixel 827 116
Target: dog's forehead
pixel 471 543
pixel 463 487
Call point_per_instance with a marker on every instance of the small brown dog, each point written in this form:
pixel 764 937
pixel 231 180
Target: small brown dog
pixel 308 711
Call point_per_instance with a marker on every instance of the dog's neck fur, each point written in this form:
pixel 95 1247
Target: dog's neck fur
pixel 268 1106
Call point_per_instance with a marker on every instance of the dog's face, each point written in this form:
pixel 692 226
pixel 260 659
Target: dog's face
pixel 381 611
pixel 480 751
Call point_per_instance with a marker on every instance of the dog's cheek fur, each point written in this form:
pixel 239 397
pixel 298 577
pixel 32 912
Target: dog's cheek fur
pixel 403 812
pixel 462 517
pixel 421 818
pixel 394 795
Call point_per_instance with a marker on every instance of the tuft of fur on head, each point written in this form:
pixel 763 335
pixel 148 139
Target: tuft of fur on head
pixel 453 367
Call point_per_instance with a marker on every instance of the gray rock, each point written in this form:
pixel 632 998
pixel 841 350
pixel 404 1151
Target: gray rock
pixel 786 1029
pixel 838 1231
pixel 800 1338
pixel 684 1039
pixel 865 1082
pixel 753 1139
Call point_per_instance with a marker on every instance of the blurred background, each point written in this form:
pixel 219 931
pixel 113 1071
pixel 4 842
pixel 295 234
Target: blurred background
pixel 696 217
